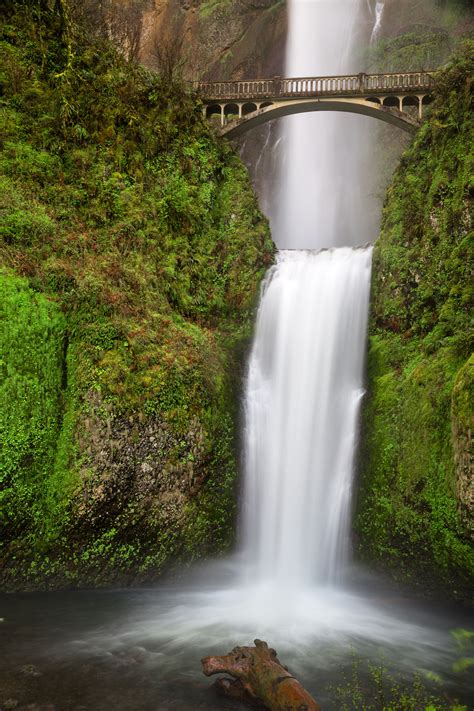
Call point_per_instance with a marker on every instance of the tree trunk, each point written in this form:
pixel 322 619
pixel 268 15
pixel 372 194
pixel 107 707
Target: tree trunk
pixel 258 675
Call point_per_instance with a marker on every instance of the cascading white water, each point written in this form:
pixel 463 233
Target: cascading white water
pixel 379 8
pixel 303 392
pixel 305 373
pixel 324 196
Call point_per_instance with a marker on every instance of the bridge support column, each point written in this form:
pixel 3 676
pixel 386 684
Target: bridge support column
pixel 420 107
pixel 240 110
pixel 400 102
pixel 222 115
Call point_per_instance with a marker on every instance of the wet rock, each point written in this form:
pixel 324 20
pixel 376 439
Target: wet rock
pixel 10 705
pixel 30 670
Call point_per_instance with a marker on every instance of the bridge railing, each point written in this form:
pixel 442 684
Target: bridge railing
pixel 278 87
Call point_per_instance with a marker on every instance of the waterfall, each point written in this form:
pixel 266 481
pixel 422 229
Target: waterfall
pixel 305 374
pixel 303 393
pixel 323 196
pixel 379 8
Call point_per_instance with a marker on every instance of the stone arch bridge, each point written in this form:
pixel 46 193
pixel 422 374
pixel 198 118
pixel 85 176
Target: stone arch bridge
pixel 396 98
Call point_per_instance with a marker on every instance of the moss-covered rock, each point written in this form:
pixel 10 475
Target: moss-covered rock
pixel 416 478
pixel 412 37
pixel 132 249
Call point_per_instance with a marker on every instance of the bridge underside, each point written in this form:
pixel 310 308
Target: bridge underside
pixel 233 127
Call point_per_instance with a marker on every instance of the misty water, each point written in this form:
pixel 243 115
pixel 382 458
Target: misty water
pixel 140 650
pixel 292 581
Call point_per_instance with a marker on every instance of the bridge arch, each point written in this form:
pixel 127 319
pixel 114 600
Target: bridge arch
pixel 411 101
pixel 232 109
pixel 249 108
pixel 213 110
pixel 364 107
pixel 412 105
pixel 393 102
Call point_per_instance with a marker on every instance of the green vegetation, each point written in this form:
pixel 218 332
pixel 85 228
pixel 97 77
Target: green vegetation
pixel 369 686
pixel 375 686
pixel 422 48
pixel 415 501
pixel 421 36
pixel 208 7
pixel 31 360
pixel 131 252
pixel 416 38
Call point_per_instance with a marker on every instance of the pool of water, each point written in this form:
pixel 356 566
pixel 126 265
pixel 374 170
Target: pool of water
pixel 140 649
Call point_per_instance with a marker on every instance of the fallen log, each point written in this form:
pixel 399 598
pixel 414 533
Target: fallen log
pixel 259 676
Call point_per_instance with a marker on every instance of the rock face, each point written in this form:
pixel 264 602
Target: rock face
pixel 222 39
pixel 403 16
pixel 412 37
pixel 210 39
pixel 416 499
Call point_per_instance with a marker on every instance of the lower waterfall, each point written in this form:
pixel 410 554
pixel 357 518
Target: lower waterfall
pixel 302 399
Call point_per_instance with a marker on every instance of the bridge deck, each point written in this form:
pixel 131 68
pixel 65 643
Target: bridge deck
pixel 347 85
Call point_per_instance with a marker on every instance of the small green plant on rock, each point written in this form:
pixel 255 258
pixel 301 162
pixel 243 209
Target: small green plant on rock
pixel 372 686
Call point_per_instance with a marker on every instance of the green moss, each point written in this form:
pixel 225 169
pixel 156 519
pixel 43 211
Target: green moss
pixel 422 48
pixel 32 332
pixel 418 410
pixel 136 233
pixel 208 7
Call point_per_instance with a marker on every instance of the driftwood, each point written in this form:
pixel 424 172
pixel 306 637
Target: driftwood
pixel 259 676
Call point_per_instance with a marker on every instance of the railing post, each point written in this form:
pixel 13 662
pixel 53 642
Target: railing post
pixel 361 82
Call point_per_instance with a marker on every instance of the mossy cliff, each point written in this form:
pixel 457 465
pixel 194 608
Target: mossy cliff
pixel 413 37
pixel 132 249
pixel 419 36
pixel 416 497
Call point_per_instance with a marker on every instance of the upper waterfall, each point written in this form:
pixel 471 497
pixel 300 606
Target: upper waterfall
pixel 322 199
pixel 379 8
